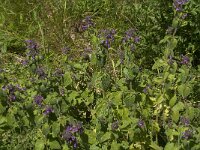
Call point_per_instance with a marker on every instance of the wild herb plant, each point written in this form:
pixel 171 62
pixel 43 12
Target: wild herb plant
pixel 99 75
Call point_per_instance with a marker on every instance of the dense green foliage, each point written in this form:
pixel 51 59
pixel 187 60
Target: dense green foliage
pixel 100 74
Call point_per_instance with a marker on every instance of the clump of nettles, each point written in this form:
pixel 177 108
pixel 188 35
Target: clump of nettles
pixel 70 134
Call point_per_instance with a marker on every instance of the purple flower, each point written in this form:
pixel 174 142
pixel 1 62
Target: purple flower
pixel 65 50
pixel 115 125
pixel 187 134
pixel 58 72
pixel 69 133
pixel 86 23
pixel 33 48
pixel 40 72
pixel 129 34
pixel 145 90
pixel 48 110
pixel 38 99
pixel 32 45
pixel 70 139
pixel 4 87
pixel 24 62
pixel 108 37
pixel 185 121
pixel 137 39
pixel 184 16
pixel 178 4
pixel 12 97
pixel 62 91
pixel 185 60
pixel 170 60
pixel 75 128
pixel 141 123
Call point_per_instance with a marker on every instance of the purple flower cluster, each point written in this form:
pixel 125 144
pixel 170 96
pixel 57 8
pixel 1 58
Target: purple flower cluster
pixel 108 37
pixel 130 35
pixel 187 134
pixel 33 48
pixel 38 100
pixel 11 91
pixel 185 121
pixel 178 4
pixel 185 60
pixel 86 23
pixel 48 110
pixel 70 132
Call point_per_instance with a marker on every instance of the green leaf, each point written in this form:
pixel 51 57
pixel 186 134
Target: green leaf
pixel 173 101
pixel 55 129
pixel 54 145
pixel 175 23
pixel 39 145
pixel 159 63
pixel 3 120
pixel 184 90
pixel 155 146
pixel 115 146
pixel 105 137
pixel 45 129
pixel 170 146
pixel 175 116
pixel 67 79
